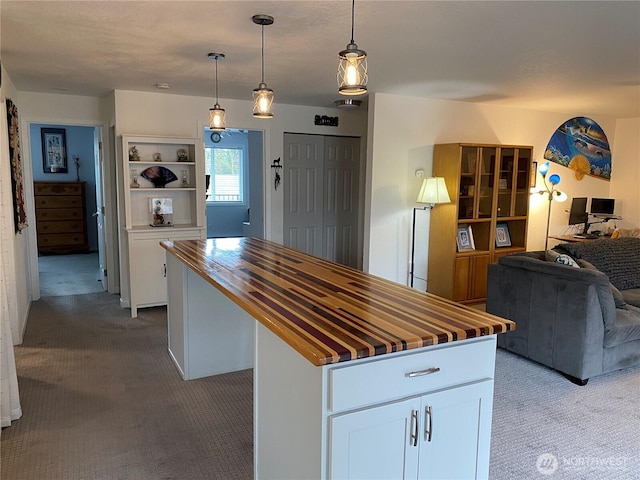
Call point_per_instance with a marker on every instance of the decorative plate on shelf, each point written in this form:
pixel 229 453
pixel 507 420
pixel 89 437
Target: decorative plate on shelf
pixel 159 176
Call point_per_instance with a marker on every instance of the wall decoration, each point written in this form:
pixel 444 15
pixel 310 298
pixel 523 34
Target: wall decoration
pixel 17 187
pixel 276 167
pixel 159 176
pixel 581 145
pixel 54 150
pixel 326 121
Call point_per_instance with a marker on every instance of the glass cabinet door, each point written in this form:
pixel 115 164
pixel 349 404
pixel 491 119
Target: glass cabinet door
pixel 505 182
pixel 468 183
pixel 523 178
pixel 486 180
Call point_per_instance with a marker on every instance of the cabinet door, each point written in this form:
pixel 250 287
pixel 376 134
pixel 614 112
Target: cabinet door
pixel 376 443
pixel 148 272
pixel 456 433
pixel 470 280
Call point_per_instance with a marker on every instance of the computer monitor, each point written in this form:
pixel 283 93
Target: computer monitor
pixel 602 206
pixel 578 212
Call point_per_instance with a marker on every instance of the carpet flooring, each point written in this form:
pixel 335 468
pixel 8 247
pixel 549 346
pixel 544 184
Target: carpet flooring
pixel 102 401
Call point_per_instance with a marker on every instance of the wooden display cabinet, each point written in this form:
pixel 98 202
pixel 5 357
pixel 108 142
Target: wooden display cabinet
pixel 489 190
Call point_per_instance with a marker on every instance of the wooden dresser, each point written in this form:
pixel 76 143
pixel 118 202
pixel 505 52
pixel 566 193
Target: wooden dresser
pixel 60 217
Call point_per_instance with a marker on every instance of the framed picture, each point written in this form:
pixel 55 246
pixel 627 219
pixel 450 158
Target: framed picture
pixel 54 150
pixel 503 239
pixel 465 239
pixel 502 184
pixel 161 212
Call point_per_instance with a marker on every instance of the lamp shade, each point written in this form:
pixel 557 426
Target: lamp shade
pixel 433 190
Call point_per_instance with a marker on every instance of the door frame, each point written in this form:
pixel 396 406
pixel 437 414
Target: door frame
pixel 107 185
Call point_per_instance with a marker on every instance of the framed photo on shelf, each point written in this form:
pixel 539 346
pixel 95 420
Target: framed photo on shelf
pixel 502 184
pixel 534 171
pixel 464 239
pixel 54 150
pixel 161 212
pixel 503 239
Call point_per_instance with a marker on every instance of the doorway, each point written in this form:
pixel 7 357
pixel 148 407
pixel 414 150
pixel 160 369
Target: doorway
pixel 68 221
pixel 234 166
pixel 321 196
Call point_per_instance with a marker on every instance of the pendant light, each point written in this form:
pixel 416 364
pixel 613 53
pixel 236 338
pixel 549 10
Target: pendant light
pixel 263 95
pixel 217 121
pixel 352 66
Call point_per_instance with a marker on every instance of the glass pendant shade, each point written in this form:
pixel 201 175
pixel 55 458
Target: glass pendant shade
pixel 262 101
pixel 217 120
pixel 352 71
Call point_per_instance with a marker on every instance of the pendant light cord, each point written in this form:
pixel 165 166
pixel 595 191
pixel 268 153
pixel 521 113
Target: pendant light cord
pixel 353 7
pixel 217 80
pixel 262 53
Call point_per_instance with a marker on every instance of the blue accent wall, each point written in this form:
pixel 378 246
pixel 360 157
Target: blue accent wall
pixel 81 143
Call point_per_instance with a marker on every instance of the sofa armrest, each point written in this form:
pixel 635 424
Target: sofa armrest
pixel 557 310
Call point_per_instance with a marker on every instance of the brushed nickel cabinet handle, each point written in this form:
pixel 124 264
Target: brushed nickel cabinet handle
pixel 414 428
pixel 420 373
pixel 428 423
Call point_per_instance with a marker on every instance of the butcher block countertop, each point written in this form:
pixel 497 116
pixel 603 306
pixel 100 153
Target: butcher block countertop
pixel 327 312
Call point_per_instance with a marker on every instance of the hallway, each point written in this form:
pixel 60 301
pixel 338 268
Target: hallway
pixel 74 274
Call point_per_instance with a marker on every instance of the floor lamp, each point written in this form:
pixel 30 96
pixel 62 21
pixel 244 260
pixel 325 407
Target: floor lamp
pixel 551 192
pixel 433 190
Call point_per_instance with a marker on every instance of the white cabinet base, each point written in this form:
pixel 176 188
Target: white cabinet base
pixel 218 336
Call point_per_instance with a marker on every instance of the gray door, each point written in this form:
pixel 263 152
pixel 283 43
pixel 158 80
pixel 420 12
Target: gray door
pixel 320 182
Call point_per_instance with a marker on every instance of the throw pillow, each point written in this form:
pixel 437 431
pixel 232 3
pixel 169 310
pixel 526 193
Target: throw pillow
pixel 562 258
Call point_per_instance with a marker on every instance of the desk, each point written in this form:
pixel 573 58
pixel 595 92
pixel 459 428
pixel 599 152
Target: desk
pixel 572 239
pixel 345 363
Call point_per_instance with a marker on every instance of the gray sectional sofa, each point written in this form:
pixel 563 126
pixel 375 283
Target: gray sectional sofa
pixel 582 320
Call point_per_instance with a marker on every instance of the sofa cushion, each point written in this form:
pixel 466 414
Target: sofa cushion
pixel 618 298
pixel 619 259
pixel 626 327
pixel 632 296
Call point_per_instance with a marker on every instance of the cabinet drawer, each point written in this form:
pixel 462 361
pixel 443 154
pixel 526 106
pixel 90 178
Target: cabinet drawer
pixel 57 188
pixel 64 226
pixel 60 239
pixel 51 201
pixel 52 214
pixel 377 381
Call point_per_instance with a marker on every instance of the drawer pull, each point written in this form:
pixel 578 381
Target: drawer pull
pixel 420 373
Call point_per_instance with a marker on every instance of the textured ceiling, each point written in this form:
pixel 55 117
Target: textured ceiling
pixel 555 56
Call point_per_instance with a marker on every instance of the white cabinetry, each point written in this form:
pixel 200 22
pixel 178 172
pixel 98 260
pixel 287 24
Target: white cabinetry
pixel 142 260
pixel 417 414
pixel 434 436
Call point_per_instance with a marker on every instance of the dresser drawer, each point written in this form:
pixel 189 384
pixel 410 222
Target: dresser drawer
pixel 64 226
pixel 60 239
pixel 372 382
pixel 52 214
pixel 51 201
pixel 40 188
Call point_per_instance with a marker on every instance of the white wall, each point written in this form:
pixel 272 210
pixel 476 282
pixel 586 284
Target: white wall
pixel 625 180
pixel 164 114
pixel 16 268
pixel 402 132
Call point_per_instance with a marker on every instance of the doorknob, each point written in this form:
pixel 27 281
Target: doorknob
pixel 95 214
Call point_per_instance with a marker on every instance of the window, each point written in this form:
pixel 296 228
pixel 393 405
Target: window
pixel 226 169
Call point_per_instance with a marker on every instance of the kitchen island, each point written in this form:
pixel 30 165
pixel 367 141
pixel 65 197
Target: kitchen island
pixel 354 376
